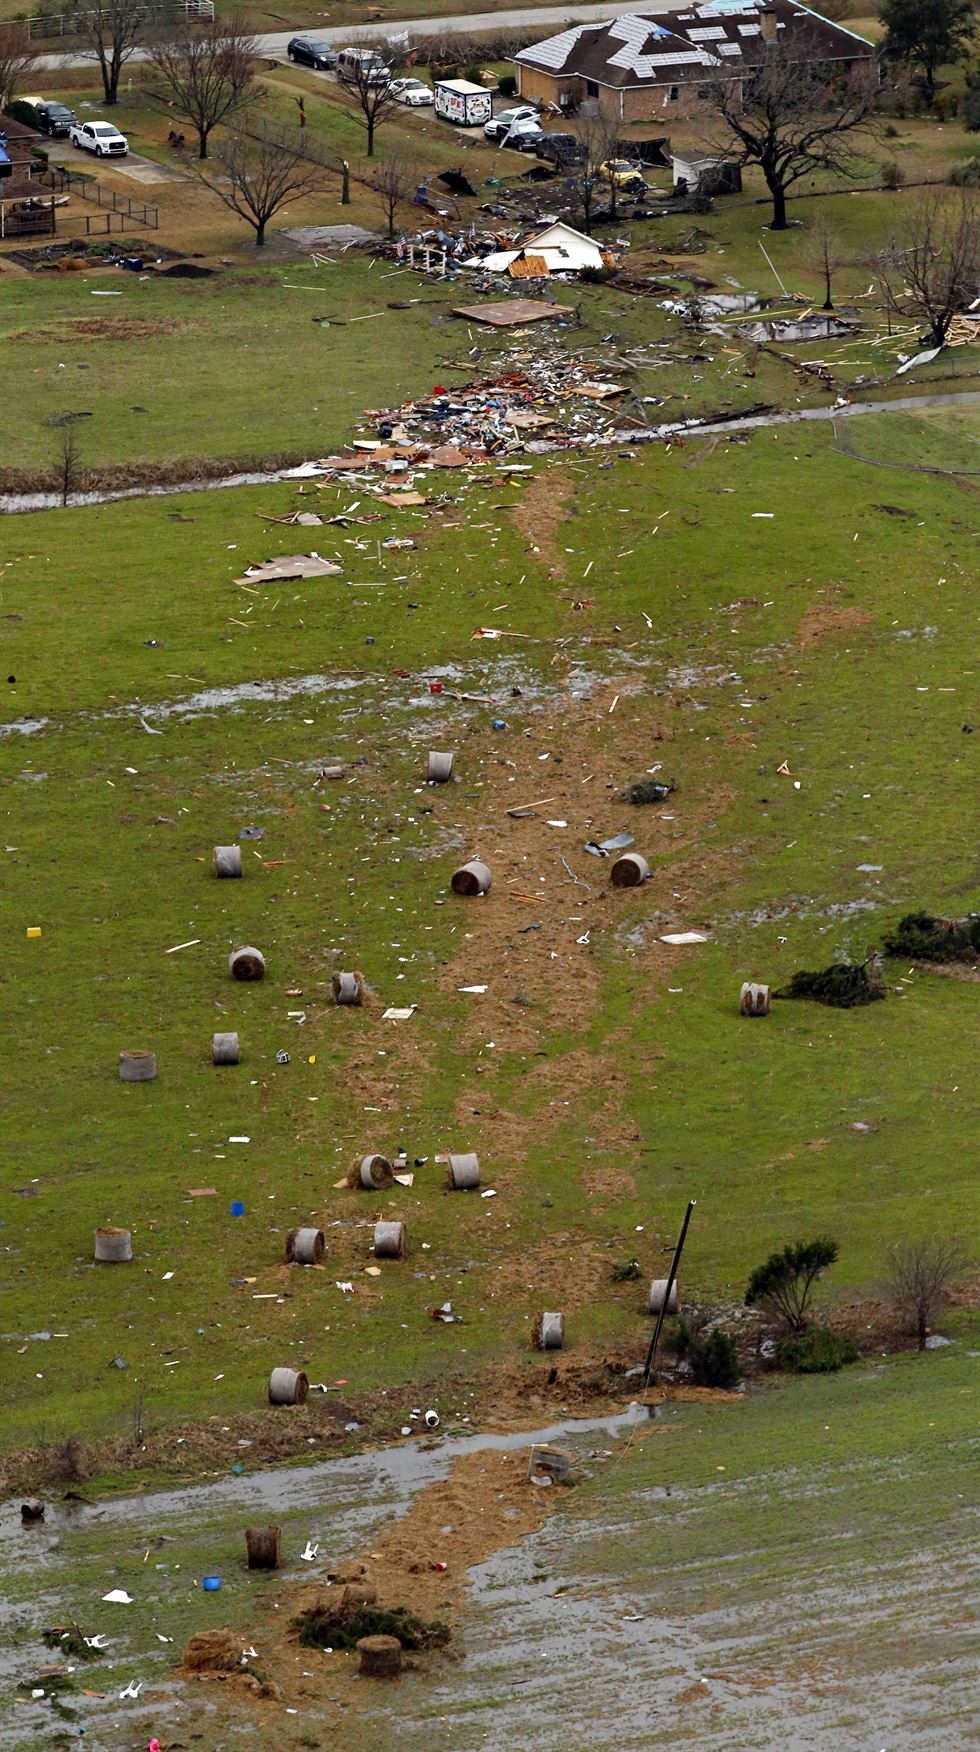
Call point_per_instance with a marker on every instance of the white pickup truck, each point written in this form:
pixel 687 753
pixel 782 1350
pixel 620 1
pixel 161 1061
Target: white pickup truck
pixel 99 137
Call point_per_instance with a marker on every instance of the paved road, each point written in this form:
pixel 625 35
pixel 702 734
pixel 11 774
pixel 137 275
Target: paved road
pixel 275 45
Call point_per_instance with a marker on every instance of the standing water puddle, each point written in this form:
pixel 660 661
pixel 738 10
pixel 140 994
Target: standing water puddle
pixel 156 1544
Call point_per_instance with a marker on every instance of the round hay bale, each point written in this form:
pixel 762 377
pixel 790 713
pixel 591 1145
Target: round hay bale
pixel 136 1066
pixel 549 1332
pixel 357 1595
pixel 463 1172
pixel 113 1246
pixel 288 1387
pixel 629 871
pixel 247 963
pixel 440 768
pixel 379 1657
pixel 371 1174
pixel 471 878
pixel 227 860
pixel 548 1464
pixel 263 1546
pixel 753 1000
pixel 224 1049
pixel 658 1290
pixel 390 1240
pixel 304 1246
pixel 348 988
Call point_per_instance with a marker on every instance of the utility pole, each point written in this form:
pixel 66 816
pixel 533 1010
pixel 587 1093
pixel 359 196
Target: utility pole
pixel 671 1279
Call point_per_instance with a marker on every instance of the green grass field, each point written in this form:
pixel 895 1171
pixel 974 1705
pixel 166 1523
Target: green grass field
pixel 665 1089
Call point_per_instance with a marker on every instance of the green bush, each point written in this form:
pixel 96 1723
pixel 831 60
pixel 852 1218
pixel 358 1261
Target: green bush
pixel 970 106
pixel 814 1352
pixel 892 175
pixel 715 1362
pixel 19 111
pixel 966 176
pixel 474 73
pixel 507 85
pixel 338 1627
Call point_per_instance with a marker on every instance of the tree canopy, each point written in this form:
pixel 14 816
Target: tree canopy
pixel 927 34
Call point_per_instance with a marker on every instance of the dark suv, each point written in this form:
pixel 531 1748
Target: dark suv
pixel 322 56
pixel 54 118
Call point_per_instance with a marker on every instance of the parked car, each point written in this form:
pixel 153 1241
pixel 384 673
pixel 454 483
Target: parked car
pixel 54 118
pixel 99 137
pixel 624 175
pixel 498 126
pixel 524 135
pixel 414 92
pixel 312 53
pixel 362 66
pixel 561 149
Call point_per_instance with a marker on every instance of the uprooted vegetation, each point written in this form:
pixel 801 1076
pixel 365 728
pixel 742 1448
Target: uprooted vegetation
pixel 920 936
pixel 328 1626
pixel 843 985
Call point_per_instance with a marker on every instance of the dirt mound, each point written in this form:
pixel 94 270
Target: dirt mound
pixel 213 1651
pixel 829 620
pixel 106 328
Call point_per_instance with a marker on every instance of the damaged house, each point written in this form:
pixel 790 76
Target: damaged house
pixel 638 66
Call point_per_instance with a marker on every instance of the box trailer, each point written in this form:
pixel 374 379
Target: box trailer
pixel 459 101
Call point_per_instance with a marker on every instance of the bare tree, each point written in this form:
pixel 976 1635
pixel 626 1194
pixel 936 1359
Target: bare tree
pixel 791 119
pixel 113 30
pixel 825 257
pixel 918 1276
pixel 67 453
pixel 393 181
pixel 604 146
pixel 260 176
pixel 205 73
pixel 594 138
pixel 369 89
pixel 17 57
pixel 936 273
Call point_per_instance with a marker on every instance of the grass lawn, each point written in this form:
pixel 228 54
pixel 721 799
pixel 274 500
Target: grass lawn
pixel 622 1082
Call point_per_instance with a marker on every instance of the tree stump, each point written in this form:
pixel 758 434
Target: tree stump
pixel 263 1547
pixel 379 1657
pixel 227 861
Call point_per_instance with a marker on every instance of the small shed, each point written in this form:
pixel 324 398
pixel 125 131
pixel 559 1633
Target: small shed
pixel 457 100
pixel 702 175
